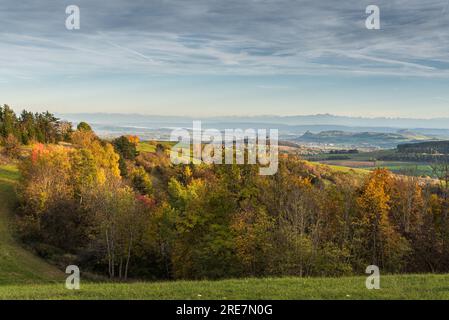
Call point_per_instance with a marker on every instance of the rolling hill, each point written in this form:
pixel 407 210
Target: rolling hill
pixel 366 139
pixel 25 276
pixel 17 265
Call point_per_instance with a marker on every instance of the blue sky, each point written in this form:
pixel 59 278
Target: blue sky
pixel 233 57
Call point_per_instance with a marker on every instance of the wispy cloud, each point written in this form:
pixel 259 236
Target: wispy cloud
pixel 225 37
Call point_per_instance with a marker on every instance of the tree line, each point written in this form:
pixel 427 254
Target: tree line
pixel 31 127
pixel 114 211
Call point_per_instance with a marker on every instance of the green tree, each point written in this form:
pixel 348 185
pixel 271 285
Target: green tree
pixel 83 126
pixel 8 122
pixel 125 148
pixel 141 181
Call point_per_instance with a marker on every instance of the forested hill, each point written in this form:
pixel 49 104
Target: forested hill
pixel 17 265
pixel 116 210
pixel 430 147
pixel 126 214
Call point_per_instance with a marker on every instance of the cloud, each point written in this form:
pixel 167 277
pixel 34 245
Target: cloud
pixel 236 37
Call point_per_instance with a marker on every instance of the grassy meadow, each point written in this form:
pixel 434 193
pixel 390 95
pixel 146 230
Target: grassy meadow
pixel 344 288
pixel 150 146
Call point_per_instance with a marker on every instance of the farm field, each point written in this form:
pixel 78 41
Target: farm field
pixel 420 169
pixel 368 161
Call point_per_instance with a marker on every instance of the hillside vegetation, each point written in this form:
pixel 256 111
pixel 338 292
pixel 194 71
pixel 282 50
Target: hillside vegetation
pixel 121 209
pixel 433 147
pixel 121 213
pixel 25 276
pixel 17 265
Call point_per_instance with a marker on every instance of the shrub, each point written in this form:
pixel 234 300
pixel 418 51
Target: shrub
pixel 11 146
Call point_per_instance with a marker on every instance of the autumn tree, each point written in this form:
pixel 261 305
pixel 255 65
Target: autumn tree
pixel 382 245
pixel 11 146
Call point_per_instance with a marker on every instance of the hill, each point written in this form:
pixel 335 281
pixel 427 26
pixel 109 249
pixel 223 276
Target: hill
pixel 17 266
pixel 429 147
pixel 24 276
pixel 367 139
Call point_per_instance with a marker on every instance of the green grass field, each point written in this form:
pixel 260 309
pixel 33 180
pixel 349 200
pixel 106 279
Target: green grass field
pixel 150 146
pixel 145 146
pixel 25 276
pixel 392 287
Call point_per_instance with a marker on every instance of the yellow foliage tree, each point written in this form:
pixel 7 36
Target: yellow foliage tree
pixel 383 245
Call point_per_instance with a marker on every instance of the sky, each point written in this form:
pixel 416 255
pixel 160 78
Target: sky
pixel 233 57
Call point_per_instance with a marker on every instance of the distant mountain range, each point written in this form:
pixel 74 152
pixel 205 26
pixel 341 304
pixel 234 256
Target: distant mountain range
pixel 306 120
pixel 313 129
